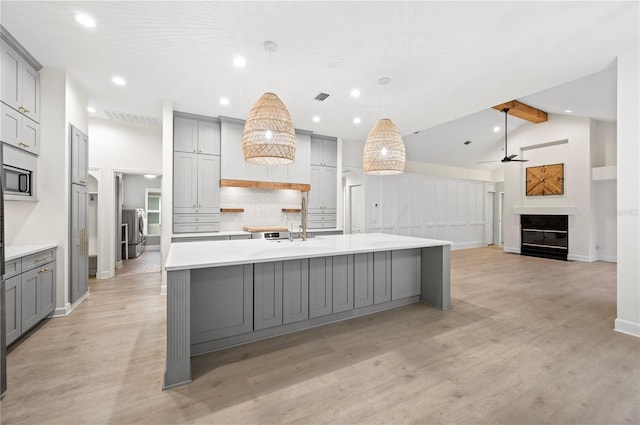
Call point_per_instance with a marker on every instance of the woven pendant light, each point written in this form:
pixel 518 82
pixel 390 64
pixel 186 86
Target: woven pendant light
pixel 384 150
pixel 269 137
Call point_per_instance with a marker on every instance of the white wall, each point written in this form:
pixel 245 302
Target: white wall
pixel 62 103
pixel 562 139
pixel 427 206
pixel 628 196
pixel 134 189
pixel 116 146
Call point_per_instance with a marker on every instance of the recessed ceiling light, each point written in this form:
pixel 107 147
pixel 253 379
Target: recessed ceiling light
pixel 91 109
pixel 316 118
pixel 118 81
pixel 357 120
pixel 496 129
pixel 85 20
pixel 355 93
pixel 568 111
pixel 224 101
pixel 239 61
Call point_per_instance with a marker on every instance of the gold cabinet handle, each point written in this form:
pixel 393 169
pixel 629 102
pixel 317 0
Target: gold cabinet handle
pixel 83 241
pixel 83 182
pixel 23 109
pixel 22 144
pixel 43 270
pixel 46 257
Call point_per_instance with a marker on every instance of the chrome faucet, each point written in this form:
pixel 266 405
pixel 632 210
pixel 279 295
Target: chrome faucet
pixel 303 218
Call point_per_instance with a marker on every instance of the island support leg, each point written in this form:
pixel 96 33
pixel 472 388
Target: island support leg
pixel 435 276
pixel 178 361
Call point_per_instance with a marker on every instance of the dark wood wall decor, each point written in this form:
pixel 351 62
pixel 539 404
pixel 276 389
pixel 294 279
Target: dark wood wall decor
pixel 545 180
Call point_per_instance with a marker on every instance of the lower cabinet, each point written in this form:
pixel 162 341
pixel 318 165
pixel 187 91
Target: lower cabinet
pixel 221 302
pixel 342 282
pixel 267 295
pixel 320 287
pixel 381 277
pixel 405 273
pixel 30 293
pixel 363 280
pixel 295 290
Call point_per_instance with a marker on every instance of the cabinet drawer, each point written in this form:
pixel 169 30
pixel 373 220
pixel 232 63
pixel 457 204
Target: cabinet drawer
pixel 12 268
pixel 38 259
pixel 196 218
pixel 194 228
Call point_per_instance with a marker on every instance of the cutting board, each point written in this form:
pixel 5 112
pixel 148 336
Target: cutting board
pixel 255 229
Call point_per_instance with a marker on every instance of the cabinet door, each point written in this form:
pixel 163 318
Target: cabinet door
pixel 342 272
pixel 295 290
pixel 13 308
pixel 79 258
pixel 330 153
pixel 317 189
pixel 185 135
pixel 267 295
pixel 79 157
pixel 11 88
pixel 11 126
pixel 330 193
pixel 30 303
pixel 221 302
pixel 363 280
pixel 317 148
pixel 185 182
pixel 31 135
pixel 47 288
pixel 208 138
pixel 381 277
pixel 208 176
pixel 30 92
pixel 405 273
pixel 320 287
pixel 298 172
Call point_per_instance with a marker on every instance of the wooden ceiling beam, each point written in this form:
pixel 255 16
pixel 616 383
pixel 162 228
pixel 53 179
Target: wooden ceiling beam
pixel 526 112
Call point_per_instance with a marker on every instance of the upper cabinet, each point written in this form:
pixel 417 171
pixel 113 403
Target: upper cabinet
pixel 79 157
pixel 20 95
pixel 20 83
pixel 234 167
pixel 324 151
pixel 196 136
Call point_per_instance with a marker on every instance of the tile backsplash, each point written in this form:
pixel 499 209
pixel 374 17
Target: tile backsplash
pixel 262 207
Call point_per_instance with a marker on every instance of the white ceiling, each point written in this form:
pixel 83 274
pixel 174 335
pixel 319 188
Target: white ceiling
pixel 446 60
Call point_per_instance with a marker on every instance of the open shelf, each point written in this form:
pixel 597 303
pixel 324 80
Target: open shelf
pixel 231 210
pixel 302 187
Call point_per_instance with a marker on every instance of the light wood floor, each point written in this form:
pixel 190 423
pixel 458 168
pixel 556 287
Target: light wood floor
pixel 527 341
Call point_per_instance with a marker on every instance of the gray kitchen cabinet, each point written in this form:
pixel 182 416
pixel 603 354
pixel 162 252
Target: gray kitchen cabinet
pixel 196 135
pixel 20 131
pixel 79 157
pixel 322 204
pixel 30 301
pixel 20 86
pixel 295 290
pixel 196 192
pixel 363 280
pixel 320 287
pixel 381 277
pixel 342 282
pixel 267 295
pixel 324 151
pixel 30 291
pixel 79 256
pixel 405 273
pixel 13 308
pixel 221 302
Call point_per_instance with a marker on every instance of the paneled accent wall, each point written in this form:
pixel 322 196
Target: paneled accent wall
pixel 427 206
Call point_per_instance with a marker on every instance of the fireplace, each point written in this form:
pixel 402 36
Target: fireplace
pixel 545 236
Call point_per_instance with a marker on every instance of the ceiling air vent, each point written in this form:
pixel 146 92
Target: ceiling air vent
pixel 132 118
pixel 321 97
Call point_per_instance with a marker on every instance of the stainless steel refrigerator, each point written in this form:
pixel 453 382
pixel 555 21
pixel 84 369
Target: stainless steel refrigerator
pixel 135 230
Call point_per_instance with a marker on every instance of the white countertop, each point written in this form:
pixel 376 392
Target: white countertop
pixel 240 233
pixel 16 251
pixel 202 254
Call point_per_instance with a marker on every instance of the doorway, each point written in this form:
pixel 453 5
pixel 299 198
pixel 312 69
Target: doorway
pixel 356 209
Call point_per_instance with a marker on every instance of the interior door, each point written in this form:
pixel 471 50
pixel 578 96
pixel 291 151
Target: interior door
pixel 79 282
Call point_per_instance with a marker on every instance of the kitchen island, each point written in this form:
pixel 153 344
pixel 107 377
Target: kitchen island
pixel 225 293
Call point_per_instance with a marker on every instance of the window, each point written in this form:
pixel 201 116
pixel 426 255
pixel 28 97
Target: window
pixel 154 218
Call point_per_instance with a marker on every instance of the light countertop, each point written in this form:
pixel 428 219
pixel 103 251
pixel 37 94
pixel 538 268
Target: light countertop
pixel 240 233
pixel 16 251
pixel 202 254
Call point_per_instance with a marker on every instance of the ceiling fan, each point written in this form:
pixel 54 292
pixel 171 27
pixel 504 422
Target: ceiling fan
pixel 507 157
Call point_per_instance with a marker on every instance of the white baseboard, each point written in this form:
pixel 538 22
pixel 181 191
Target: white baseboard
pixel 608 258
pixel 68 308
pixel 511 250
pixel 152 247
pixel 626 327
pixel 118 264
pixel 583 258
pixel 105 275
pixel 163 290
pixel 467 245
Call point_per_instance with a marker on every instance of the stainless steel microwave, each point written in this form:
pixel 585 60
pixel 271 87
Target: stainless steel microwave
pixel 17 181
